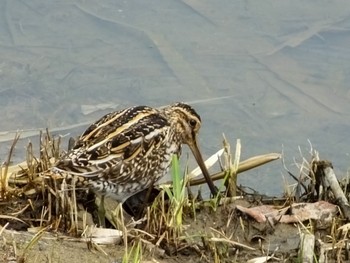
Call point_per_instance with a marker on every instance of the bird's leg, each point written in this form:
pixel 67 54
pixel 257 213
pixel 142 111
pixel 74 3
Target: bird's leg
pixel 147 197
pixel 101 212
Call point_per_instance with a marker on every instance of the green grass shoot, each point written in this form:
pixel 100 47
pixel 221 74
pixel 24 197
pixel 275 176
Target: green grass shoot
pixel 177 194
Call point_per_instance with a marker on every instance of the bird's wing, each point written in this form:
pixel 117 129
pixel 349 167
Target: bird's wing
pixel 116 139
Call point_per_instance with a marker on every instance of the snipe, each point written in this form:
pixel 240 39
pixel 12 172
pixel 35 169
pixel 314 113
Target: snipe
pixel 127 151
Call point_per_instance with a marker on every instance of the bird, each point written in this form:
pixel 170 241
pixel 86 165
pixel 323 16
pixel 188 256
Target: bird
pixel 127 151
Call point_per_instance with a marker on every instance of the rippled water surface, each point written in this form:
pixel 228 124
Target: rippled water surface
pixel 272 73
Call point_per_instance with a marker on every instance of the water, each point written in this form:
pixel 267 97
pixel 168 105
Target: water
pixel 283 68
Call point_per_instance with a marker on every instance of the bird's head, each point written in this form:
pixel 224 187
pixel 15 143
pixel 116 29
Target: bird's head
pixel 185 121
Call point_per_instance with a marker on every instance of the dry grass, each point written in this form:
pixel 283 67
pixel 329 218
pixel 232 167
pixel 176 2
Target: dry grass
pixel 34 198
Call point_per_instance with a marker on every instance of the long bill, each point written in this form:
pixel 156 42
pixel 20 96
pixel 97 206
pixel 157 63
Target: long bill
pixel 197 154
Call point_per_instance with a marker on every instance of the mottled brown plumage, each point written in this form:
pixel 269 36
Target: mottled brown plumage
pixel 127 151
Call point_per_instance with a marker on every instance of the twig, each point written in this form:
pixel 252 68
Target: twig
pixel 328 178
pixel 307 245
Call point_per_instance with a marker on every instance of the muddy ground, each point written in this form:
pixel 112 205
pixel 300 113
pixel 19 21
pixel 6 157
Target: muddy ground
pixel 261 239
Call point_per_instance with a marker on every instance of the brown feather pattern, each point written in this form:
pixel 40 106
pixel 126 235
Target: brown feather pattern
pixel 127 151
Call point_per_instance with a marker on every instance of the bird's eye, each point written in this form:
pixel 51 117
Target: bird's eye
pixel 193 123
